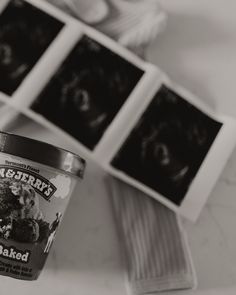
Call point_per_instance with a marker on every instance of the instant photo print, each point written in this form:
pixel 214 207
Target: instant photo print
pixel 26 33
pixel 82 84
pixel 113 107
pixel 175 151
pixel 168 144
pixel 88 91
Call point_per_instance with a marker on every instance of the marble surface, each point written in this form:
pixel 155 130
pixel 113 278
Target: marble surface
pixel 197 51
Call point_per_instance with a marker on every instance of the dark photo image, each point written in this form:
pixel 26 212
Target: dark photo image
pixel 25 34
pixel 168 145
pixel 88 91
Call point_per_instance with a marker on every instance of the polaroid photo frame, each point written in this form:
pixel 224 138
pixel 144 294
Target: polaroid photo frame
pixel 78 66
pixel 25 28
pixel 187 170
pixel 132 76
pixel 88 91
pixel 35 76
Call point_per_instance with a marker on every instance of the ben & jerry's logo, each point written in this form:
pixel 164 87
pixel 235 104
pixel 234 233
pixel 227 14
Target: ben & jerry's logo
pixel 41 185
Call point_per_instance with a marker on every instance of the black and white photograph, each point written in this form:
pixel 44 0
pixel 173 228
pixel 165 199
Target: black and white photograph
pixel 167 146
pixel 87 91
pixel 117 147
pixel 25 34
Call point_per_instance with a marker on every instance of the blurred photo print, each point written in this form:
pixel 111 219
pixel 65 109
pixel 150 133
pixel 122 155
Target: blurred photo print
pixel 87 91
pixel 25 34
pixel 168 145
pixel 173 151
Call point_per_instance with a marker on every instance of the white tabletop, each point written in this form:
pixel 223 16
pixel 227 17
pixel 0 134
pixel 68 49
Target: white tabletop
pixel 197 50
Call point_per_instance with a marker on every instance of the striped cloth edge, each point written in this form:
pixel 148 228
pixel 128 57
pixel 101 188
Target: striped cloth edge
pixel 134 23
pixel 131 23
pixel 155 249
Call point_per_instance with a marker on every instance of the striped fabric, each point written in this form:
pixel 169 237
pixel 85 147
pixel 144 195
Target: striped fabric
pixel 154 244
pixel 133 23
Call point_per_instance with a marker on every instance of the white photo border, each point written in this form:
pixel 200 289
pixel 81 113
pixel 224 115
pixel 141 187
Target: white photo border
pixel 13 109
pixel 34 79
pixel 210 169
pixel 60 49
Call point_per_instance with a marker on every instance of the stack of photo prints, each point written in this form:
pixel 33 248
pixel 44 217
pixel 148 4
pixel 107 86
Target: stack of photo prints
pixel 118 110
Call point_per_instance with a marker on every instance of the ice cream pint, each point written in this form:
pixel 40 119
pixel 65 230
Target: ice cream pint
pixel 36 182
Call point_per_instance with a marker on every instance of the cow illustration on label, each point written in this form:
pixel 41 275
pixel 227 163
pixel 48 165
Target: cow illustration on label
pixel 52 232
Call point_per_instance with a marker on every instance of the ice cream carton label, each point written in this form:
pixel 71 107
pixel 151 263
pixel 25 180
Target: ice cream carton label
pixel 33 198
pixel 41 185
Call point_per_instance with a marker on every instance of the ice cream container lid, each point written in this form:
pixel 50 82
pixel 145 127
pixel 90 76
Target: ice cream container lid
pixel 42 153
